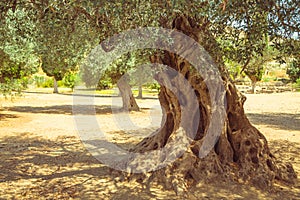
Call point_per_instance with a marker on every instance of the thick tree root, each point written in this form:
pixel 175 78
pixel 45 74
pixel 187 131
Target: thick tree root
pixel 252 163
pixel 241 152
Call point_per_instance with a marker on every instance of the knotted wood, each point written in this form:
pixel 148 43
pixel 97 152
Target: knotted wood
pixel 241 153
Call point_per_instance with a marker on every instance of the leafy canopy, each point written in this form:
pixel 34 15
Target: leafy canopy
pixel 62 32
pixel 17 56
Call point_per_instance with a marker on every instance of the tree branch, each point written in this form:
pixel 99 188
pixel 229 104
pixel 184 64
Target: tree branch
pixel 245 65
pixel 280 17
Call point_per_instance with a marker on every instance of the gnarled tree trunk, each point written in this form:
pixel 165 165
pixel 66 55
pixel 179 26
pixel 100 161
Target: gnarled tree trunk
pixel 241 152
pixel 128 99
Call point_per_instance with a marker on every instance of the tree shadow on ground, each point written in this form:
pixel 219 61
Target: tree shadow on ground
pixel 276 120
pixel 286 151
pixel 67 109
pixel 33 168
pixel 89 95
pixel 23 153
pixel 4 116
pixel 60 109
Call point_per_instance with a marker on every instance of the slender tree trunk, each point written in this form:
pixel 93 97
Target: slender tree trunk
pixel 128 99
pixel 254 80
pixel 253 86
pixel 55 87
pixel 140 94
pixel 241 152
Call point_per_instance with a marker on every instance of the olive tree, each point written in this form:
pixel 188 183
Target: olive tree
pixel 241 152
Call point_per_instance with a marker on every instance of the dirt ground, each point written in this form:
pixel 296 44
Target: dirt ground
pixel 42 156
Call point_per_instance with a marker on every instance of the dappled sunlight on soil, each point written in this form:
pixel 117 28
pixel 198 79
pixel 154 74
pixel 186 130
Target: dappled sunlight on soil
pixel 42 156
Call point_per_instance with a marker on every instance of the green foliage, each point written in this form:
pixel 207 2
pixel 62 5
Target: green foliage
pixel 12 75
pixel 13 87
pixel 298 82
pixel 110 75
pixel 104 84
pixel 48 83
pixel 234 69
pixel 153 86
pixel 293 70
pixel 60 83
pixel 39 80
pixel 266 79
pixel 62 37
pixel 296 85
pixel 256 65
pixel 70 80
pixel 60 33
pixel 42 81
pixel 17 39
pixel 17 57
pixel 256 69
pixel 141 72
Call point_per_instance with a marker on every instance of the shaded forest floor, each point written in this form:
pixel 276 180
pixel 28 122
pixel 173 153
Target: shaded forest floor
pixel 42 156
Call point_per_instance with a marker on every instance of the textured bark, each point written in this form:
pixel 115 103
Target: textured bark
pixel 140 94
pixel 55 87
pixel 128 99
pixel 241 153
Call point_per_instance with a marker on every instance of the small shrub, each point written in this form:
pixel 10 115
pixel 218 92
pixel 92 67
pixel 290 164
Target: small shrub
pixel 48 83
pixel 266 79
pixel 60 83
pixel 294 70
pixel 104 85
pixel 70 80
pixel 298 82
pixel 296 85
pixel 39 80
pixel 153 86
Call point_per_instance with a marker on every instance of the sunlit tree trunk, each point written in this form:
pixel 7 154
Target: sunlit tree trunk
pixel 140 94
pixel 241 152
pixel 254 80
pixel 55 86
pixel 128 99
pixel 253 87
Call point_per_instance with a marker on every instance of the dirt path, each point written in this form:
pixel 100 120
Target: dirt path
pixel 43 158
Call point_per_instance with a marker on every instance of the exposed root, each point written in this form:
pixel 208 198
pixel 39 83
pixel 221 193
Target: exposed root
pixel 170 155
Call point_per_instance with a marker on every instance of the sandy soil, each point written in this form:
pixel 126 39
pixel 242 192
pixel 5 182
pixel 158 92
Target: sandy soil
pixel 42 156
